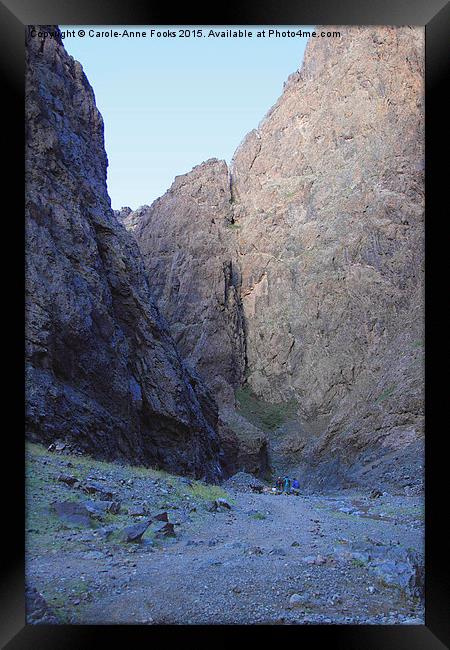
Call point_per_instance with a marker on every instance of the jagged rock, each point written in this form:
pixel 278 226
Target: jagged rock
pixel 403 568
pixel 163 516
pixel 131 218
pixel 243 482
pixel 134 533
pixel 100 361
pixel 38 611
pixel 73 513
pixel 245 446
pixel 137 511
pixel 189 249
pixel 302 267
pixel 98 490
pixel 328 196
pixel 219 504
pixel 68 480
pixel 168 530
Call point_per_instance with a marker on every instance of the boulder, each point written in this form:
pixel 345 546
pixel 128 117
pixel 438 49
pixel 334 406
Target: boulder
pixel 73 512
pixel 134 533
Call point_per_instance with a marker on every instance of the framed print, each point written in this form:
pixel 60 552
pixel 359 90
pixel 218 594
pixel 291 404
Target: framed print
pixel 230 412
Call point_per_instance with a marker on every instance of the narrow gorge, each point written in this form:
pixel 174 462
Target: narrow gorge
pixel 261 319
pixel 266 316
pixel 296 275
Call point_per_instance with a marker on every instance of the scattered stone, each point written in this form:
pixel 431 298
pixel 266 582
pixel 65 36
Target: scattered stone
pixel 166 531
pixel 277 551
pixel 299 600
pixel 73 513
pixel 98 490
pixel 106 532
pixel 68 480
pixel 375 494
pixel 134 533
pixel 38 612
pixel 256 550
pixel 113 507
pixel 243 482
pixel 137 511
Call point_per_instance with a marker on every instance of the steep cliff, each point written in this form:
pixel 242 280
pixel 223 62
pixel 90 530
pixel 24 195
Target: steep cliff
pixel 102 368
pixel 328 198
pixel 186 239
pixel 321 225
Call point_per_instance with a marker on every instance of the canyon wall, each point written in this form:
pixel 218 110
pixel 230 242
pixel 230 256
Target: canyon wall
pixel 102 370
pixel 320 225
pixel 190 253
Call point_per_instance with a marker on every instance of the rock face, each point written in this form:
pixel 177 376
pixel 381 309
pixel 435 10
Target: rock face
pixel 328 199
pixel 303 268
pixel 130 218
pixel 189 249
pixel 102 368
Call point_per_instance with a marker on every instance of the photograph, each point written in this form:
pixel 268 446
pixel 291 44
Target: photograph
pixel 224 324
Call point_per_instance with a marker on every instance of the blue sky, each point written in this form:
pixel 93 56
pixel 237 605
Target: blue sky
pixel 170 103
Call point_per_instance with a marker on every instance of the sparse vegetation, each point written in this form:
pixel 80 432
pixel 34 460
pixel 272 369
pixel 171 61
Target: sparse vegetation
pixel 385 394
pixel 207 492
pixel 258 515
pixel 231 225
pixel 264 415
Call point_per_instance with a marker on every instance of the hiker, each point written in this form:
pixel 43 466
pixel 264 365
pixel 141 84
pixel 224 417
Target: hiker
pixel 295 487
pixel 287 484
pixel 279 484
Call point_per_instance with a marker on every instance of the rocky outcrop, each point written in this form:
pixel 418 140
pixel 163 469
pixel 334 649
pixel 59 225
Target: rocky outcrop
pixel 187 239
pixel 130 218
pixel 102 368
pixel 320 225
pixel 328 201
pixel 246 448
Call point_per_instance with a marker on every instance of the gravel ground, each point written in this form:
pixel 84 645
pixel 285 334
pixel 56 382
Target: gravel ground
pixel 336 558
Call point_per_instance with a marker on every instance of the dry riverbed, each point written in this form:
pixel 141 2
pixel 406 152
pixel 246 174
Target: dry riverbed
pixel 337 558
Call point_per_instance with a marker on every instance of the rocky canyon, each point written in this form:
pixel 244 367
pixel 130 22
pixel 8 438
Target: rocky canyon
pixel 102 371
pixel 265 315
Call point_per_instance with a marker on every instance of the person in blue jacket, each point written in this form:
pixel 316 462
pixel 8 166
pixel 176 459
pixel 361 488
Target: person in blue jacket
pixel 286 484
pixel 295 486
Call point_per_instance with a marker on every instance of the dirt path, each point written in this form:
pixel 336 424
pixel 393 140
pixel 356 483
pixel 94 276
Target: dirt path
pixel 270 559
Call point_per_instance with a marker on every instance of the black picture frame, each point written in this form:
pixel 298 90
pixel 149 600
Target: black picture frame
pixel 434 15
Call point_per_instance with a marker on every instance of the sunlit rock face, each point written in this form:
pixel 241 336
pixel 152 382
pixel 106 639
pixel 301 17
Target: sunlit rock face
pixel 328 197
pixel 320 225
pixel 187 239
pixel 102 368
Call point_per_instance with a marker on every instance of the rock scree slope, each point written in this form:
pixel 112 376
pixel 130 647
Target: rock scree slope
pixel 102 370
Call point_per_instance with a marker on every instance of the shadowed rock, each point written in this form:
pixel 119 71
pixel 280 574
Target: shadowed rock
pixel 102 370
pixel 134 533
